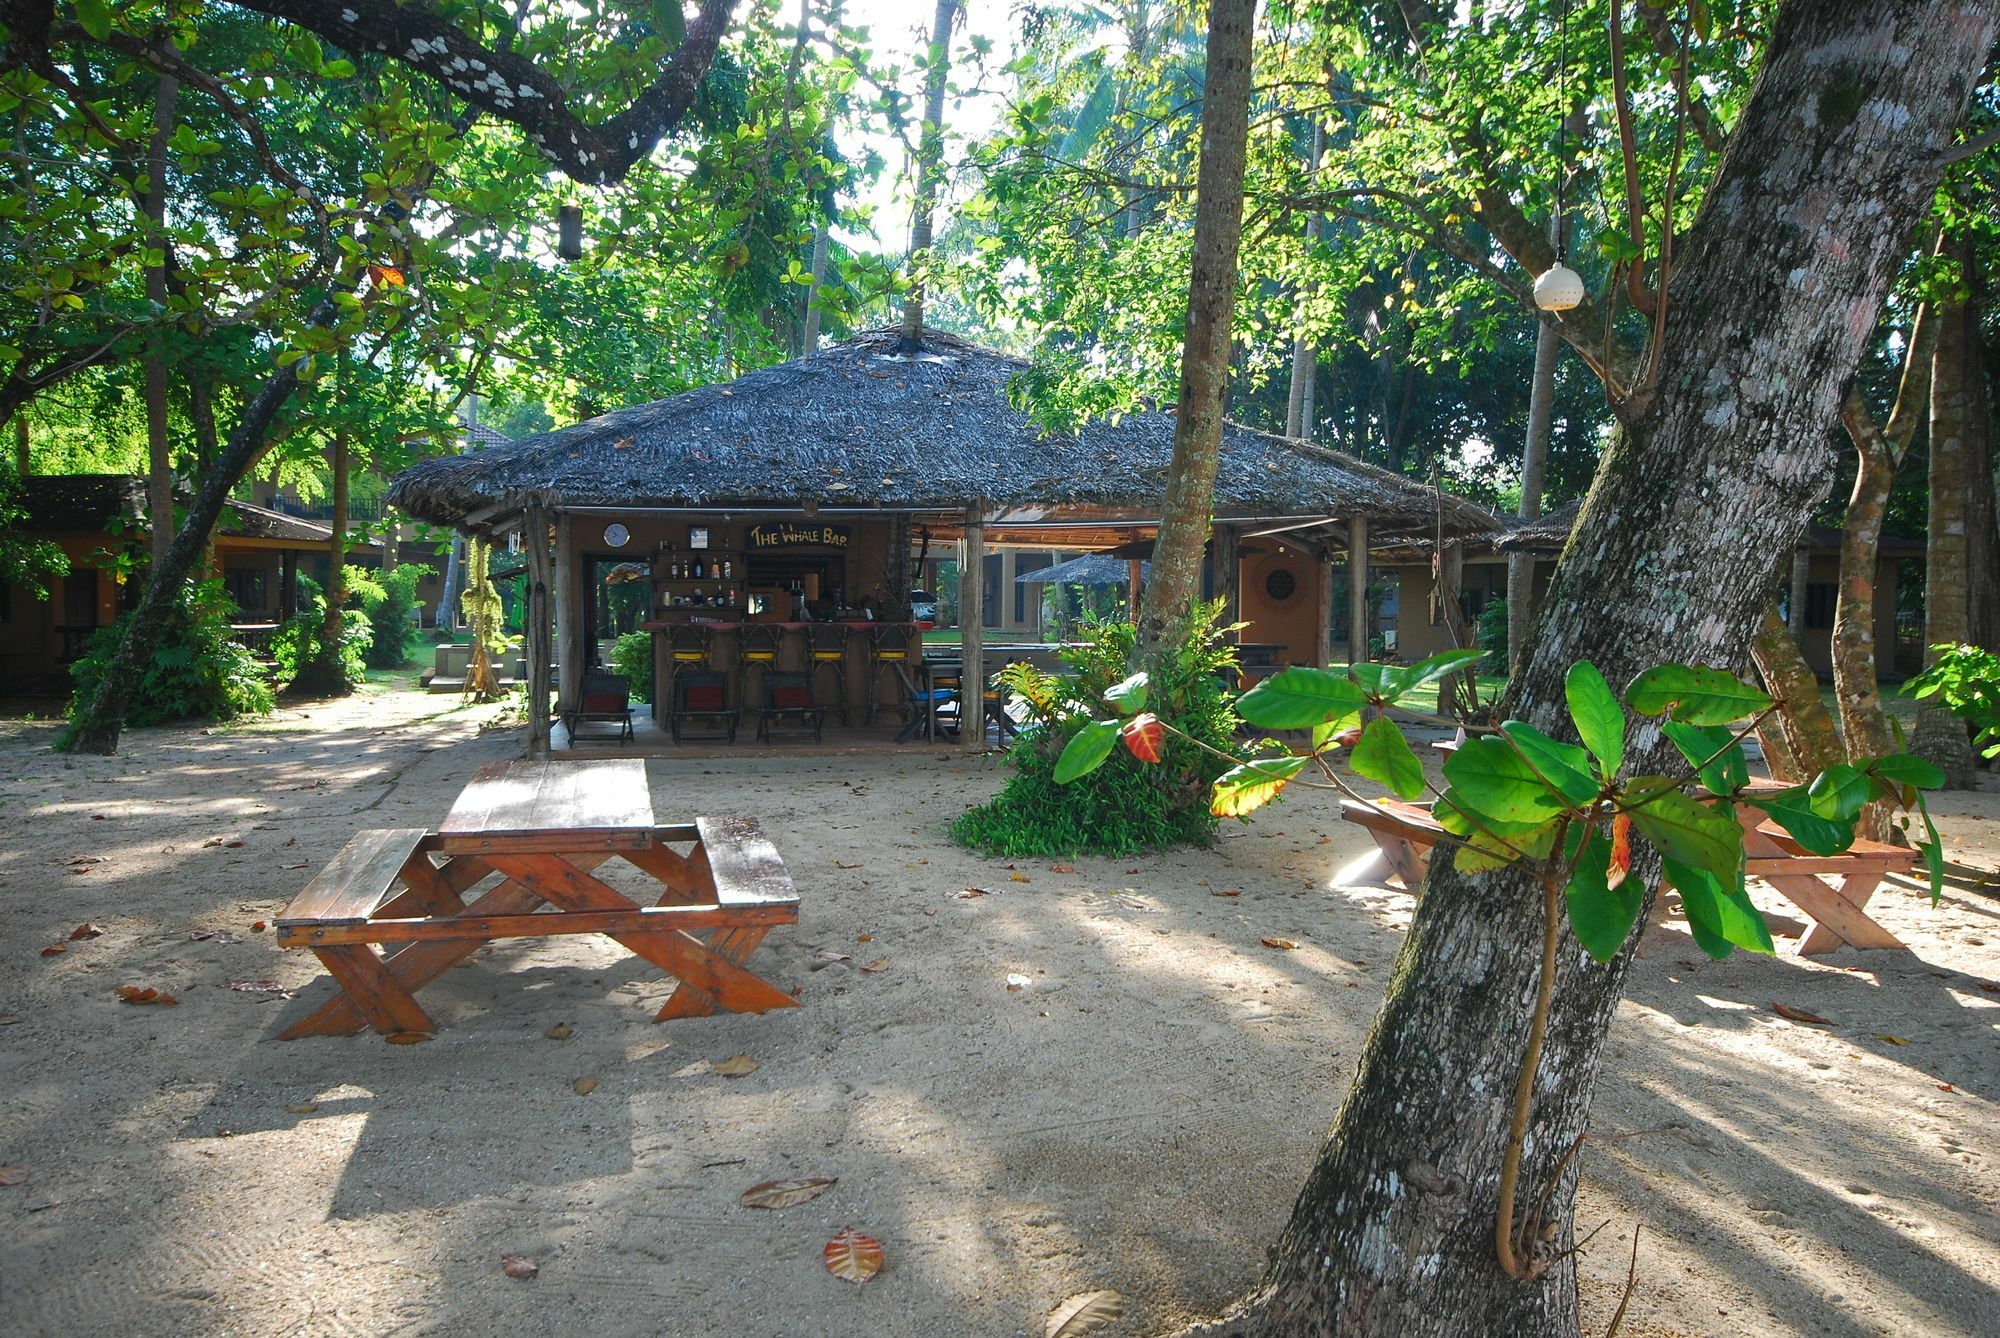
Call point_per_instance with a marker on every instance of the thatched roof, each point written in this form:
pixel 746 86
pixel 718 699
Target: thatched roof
pixel 1548 531
pixel 859 425
pixel 65 502
pixel 1090 569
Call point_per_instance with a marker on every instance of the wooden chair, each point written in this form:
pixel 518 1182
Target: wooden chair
pixel 756 648
pixel 789 696
pixel 688 647
pixel 702 694
pixel 888 644
pixel 826 648
pixel 605 698
pixel 925 705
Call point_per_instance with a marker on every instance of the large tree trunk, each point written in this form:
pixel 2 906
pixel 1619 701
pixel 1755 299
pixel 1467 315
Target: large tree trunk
pixel 1778 288
pixel 1305 351
pixel 1958 410
pixel 1175 581
pixel 1534 457
pixel 930 159
pixel 1799 741
pixel 159 455
pixel 97 728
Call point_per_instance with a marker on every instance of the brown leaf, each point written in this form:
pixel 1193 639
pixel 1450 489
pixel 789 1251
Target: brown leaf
pixel 167 1001
pixel 875 965
pixel 737 1067
pixel 1946 1087
pixel 968 893
pixel 1017 877
pixel 853 1256
pixel 303 1108
pixel 1062 868
pixel 1283 944
pixel 407 1037
pixel 559 1032
pixel 85 931
pixel 54 950
pixel 232 844
pixel 257 926
pixel 515 1266
pixel 584 1086
pixel 1800 1014
pixel 843 864
pixel 864 938
pixel 138 994
pixel 1086 1312
pixel 785 1193
pixel 1227 892
pixel 1892 1040
pixel 13 1175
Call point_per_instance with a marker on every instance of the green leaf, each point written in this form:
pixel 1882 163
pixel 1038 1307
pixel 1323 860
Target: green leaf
pixel 1790 810
pixel 1601 916
pixel 1686 830
pixel 1600 720
pixel 1491 844
pixel 1713 749
pixel 1720 915
pixel 1564 766
pixel 1839 793
pixel 1694 693
pixel 1299 698
pixel 1492 780
pixel 1436 667
pixel 1128 697
pixel 1382 754
pixel 1245 789
pixel 95 17
pixel 1086 750
pixel 1904 769
pixel 1933 848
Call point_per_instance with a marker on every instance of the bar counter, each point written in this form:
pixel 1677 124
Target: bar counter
pixel 794 655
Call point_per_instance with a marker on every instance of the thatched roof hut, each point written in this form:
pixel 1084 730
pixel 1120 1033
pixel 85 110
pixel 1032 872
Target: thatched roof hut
pixel 860 426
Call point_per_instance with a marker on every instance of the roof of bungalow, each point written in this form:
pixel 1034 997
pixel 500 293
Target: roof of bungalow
pixel 57 503
pixel 861 425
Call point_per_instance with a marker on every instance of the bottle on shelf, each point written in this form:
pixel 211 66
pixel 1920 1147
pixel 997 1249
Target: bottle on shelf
pixel 698 567
pixel 725 569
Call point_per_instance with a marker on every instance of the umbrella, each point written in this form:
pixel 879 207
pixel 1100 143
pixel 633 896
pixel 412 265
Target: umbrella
pixel 1090 569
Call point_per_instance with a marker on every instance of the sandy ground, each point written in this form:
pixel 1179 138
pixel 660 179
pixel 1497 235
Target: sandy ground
pixel 1139 1117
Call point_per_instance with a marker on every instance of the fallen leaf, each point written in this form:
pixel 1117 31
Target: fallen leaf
pixel 54 950
pixel 1017 877
pixel 13 1175
pixel 212 841
pixel 842 864
pixel 785 1193
pixel 584 1086
pixel 1892 1040
pixel 1800 1014
pixel 968 893
pixel 232 844
pixel 1016 981
pixel 138 994
pixel 1086 1312
pixel 303 1108
pixel 1227 892
pixel 559 1032
pixel 1283 944
pixel 257 986
pixel 85 931
pixel 407 1037
pixel 853 1256
pixel 300 865
pixel 1062 868
pixel 1946 1087
pixel 257 926
pixel 10 1019
pixel 864 938
pixel 514 1266
pixel 875 965
pixel 737 1067
pixel 831 957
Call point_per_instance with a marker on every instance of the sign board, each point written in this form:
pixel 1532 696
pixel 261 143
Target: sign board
pixel 788 534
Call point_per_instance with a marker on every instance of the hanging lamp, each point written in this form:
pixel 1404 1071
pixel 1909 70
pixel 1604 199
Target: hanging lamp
pixel 1559 288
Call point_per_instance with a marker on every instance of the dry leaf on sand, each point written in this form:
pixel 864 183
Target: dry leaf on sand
pixel 1283 944
pixel 559 1032
pixel 86 931
pixel 584 1086
pixel 407 1037
pixel 853 1256
pixel 875 965
pixel 1801 1015
pixel 786 1193
pixel 13 1175
pixel 737 1066
pixel 514 1266
pixel 1086 1312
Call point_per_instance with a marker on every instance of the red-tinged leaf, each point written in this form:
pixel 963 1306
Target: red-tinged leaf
pixel 515 1266
pixel 138 994
pixel 85 931
pixel 54 950
pixel 1144 736
pixel 1282 944
pixel 853 1257
pixel 1621 850
pixel 1086 1312
pixel 258 926
pixel 1062 868
pixel 385 276
pixel 786 1193
pixel 1800 1015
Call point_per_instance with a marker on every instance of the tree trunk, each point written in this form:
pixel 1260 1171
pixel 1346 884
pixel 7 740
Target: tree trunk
pixel 23 443
pixel 325 675
pixel 1801 584
pixel 1175 581
pixel 1957 395
pixel 1305 352
pixel 1781 279
pixel 930 158
pixel 159 454
pixel 1534 458
pixel 97 728
pixel 814 310
pixel 1803 725
pixel 1863 726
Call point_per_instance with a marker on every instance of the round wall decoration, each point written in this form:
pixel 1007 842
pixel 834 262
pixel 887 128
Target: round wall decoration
pixel 1281 585
pixel 616 535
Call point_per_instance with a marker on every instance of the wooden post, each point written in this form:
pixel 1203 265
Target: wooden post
pixel 288 583
pixel 1357 589
pixel 1132 583
pixel 1226 552
pixel 972 627
pixel 536 626
pixel 1322 653
pixel 896 599
pixel 566 593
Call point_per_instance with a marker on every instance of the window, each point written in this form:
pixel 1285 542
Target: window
pixel 246 588
pixel 80 597
pixel 1820 603
pixel 989 598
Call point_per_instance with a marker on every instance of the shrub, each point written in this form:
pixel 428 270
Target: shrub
pixel 1966 682
pixel 197 672
pixel 1492 636
pixel 296 646
pixel 632 659
pixel 1125 805
pixel 393 616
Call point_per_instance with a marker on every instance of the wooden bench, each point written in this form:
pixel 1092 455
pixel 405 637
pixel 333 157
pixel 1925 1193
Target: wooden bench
pixel 732 883
pixel 1836 913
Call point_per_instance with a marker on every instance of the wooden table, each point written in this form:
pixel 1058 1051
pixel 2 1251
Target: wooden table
pixel 523 840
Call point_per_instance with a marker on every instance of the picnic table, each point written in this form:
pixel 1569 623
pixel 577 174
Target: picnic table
pixel 515 859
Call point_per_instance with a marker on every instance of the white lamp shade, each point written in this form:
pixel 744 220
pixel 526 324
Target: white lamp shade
pixel 1558 289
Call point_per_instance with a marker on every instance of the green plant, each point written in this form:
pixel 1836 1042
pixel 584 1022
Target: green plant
pixel 632 659
pixel 197 672
pixel 1966 681
pixel 297 643
pixel 1516 796
pixel 393 616
pixel 1492 636
pixel 25 563
pixel 1128 805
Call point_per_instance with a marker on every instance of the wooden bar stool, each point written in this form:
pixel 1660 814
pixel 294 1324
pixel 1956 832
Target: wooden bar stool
pixel 688 647
pixel 888 645
pixel 756 648
pixel 826 648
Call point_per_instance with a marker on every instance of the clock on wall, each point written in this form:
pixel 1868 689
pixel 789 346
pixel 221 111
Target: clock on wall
pixel 616 535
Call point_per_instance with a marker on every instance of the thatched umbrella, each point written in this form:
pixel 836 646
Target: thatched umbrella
pixel 1090 569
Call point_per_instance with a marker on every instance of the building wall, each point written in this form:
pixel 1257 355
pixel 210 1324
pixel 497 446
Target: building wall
pixel 1281 602
pixel 32 646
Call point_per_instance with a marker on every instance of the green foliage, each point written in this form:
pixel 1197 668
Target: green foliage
pixel 1966 681
pixel 25 563
pixel 392 616
pixel 299 643
pixel 1117 804
pixel 197 672
pixel 632 660
pixel 1491 634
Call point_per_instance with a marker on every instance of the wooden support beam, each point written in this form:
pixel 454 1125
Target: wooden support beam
pixel 537 621
pixel 972 627
pixel 1357 589
pixel 1322 650
pixel 564 593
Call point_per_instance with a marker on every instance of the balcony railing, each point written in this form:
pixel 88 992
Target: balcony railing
pixel 357 511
